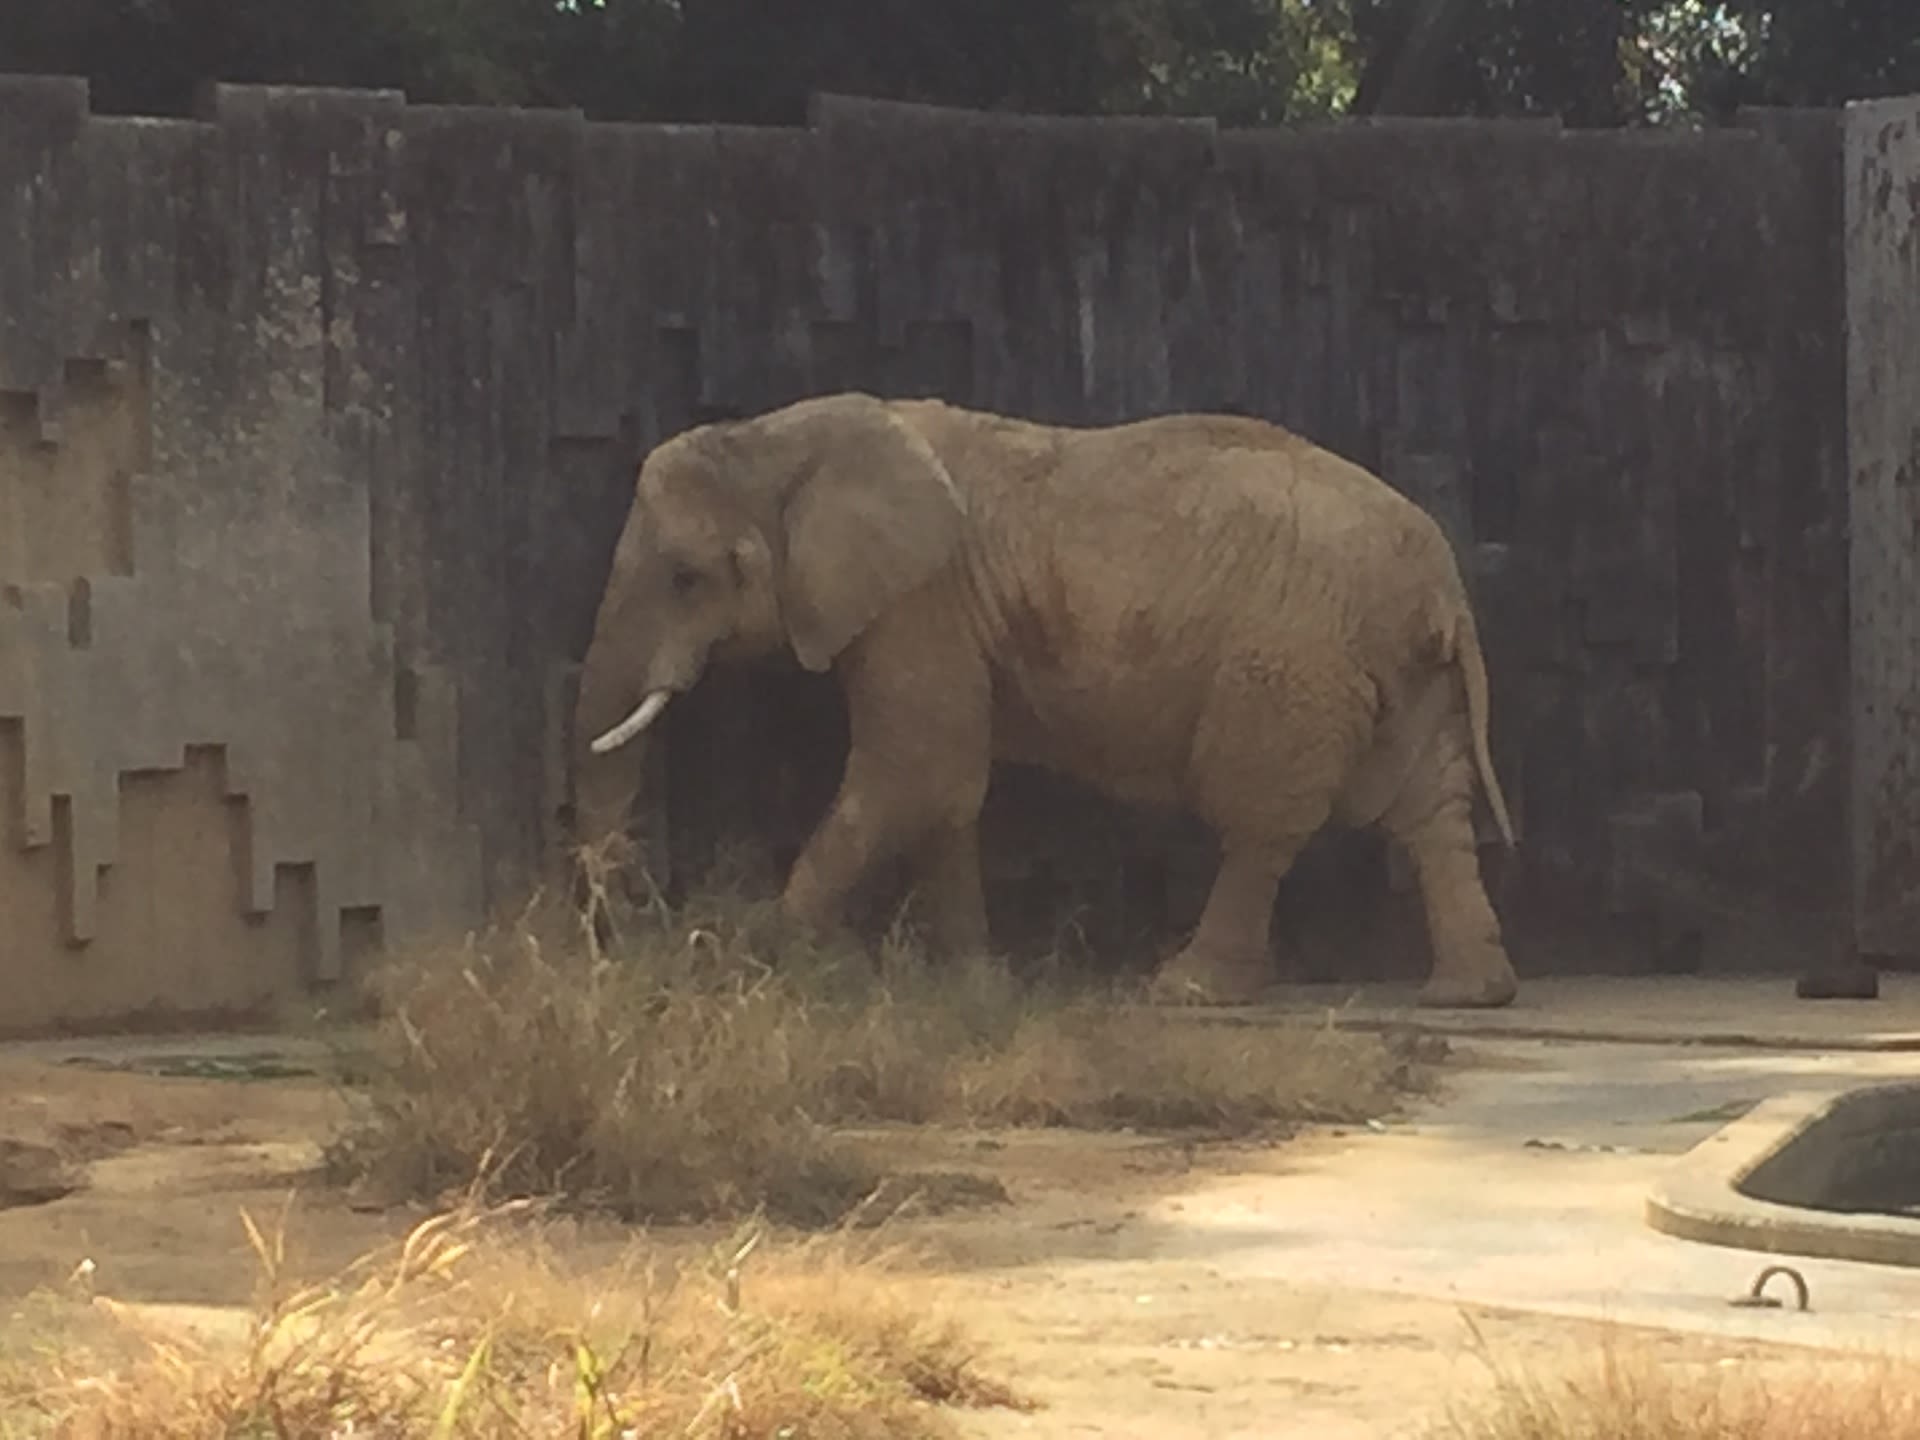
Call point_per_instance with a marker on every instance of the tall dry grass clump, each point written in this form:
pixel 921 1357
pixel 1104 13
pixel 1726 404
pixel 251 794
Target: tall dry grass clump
pixel 660 1081
pixel 474 1329
pixel 677 1063
pixel 1630 1394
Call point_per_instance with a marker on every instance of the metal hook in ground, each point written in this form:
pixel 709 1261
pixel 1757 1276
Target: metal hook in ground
pixel 1758 1299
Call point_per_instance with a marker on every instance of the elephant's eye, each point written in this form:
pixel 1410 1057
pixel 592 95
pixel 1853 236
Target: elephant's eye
pixel 685 579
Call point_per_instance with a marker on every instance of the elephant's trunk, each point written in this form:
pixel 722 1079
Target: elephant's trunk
pixel 606 778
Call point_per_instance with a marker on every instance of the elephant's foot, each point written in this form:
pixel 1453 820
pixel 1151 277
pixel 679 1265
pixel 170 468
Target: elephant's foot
pixel 1487 988
pixel 956 925
pixel 1196 977
pixel 804 917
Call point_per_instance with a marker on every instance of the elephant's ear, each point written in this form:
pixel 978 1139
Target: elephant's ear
pixel 872 515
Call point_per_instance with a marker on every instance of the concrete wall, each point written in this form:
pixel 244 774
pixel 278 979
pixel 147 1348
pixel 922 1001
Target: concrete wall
pixel 1882 180
pixel 318 416
pixel 206 792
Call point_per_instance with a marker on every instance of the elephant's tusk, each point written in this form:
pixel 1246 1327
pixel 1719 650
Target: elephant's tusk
pixel 644 714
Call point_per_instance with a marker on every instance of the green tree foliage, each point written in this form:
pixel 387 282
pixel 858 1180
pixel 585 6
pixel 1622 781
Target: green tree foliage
pixel 1591 62
pixel 1248 62
pixel 1495 57
pixel 153 55
pixel 758 60
pixel 738 60
pixel 1616 62
pixel 1821 52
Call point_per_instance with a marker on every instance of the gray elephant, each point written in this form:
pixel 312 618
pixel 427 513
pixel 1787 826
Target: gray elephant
pixel 1198 611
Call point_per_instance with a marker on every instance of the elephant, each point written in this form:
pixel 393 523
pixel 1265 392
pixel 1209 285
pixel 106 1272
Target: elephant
pixel 1188 611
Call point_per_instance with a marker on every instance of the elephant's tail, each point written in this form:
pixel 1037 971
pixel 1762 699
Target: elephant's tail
pixel 1473 669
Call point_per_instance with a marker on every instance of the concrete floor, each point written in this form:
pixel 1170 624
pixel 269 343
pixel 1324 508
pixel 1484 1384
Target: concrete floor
pixel 1525 1186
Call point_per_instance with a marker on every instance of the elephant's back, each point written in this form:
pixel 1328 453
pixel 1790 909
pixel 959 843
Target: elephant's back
pixel 1203 465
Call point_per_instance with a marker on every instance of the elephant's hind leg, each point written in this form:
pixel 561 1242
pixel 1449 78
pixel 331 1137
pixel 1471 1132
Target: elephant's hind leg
pixel 1267 764
pixel 1432 818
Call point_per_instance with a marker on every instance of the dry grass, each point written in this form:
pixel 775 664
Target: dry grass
pixel 474 1329
pixel 695 1063
pixel 1631 1394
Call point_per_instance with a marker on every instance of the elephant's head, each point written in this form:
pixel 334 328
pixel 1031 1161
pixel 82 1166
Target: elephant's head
pixel 794 529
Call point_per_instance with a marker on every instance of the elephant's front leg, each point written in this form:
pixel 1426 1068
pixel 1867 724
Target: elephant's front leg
pixel 878 813
pixel 916 777
pixel 949 878
pixel 869 821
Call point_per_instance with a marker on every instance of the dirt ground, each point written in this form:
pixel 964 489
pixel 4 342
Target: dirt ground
pixel 1067 1282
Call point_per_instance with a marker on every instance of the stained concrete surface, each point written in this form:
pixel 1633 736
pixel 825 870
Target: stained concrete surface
pixel 1525 1186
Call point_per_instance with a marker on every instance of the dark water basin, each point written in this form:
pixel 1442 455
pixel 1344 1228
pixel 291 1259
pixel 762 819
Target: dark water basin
pixel 1858 1156
pixel 1836 1176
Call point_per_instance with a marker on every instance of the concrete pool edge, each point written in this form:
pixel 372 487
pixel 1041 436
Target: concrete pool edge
pixel 1700 1198
pixel 1698 1012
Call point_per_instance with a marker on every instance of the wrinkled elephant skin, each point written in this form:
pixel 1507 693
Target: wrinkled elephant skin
pixel 1192 611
